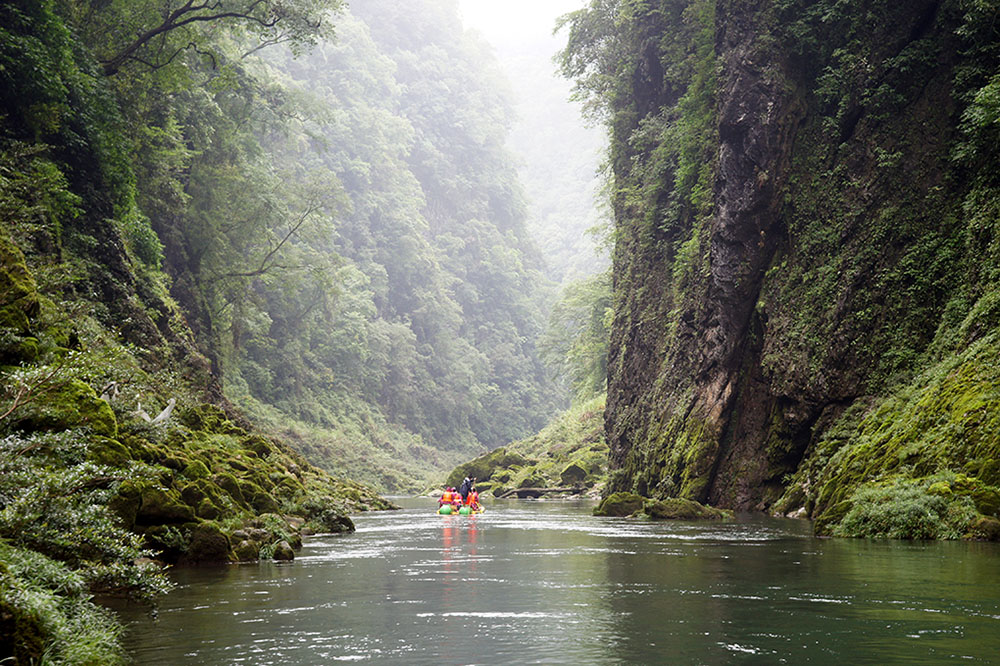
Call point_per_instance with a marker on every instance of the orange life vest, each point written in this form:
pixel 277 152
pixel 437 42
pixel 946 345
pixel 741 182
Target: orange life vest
pixel 446 497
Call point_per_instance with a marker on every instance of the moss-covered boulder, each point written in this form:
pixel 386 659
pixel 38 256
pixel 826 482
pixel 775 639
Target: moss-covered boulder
pixel 208 509
pixel 573 475
pixel 985 529
pixel 260 446
pixel 259 500
pixel 126 503
pixel 676 508
pixel 196 469
pixel 209 418
pixel 619 504
pixel 283 552
pixel 72 404
pixel 247 551
pixel 107 451
pixel 19 300
pixel 207 545
pixel 485 465
pixel 159 506
pixel 27 629
pixel 229 483
pixel 330 521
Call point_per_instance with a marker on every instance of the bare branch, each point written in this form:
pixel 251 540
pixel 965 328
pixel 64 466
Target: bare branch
pixel 186 14
pixel 266 263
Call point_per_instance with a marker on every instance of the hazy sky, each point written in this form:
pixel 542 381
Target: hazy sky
pixel 557 153
pixel 506 20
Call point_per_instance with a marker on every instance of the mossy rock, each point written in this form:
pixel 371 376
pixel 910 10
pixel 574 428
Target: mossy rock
pixel 260 446
pixel 196 469
pixel 207 509
pixel 533 481
pixel 247 551
pixel 209 418
pixel 289 486
pixel 208 545
pixel 24 633
pixel 283 552
pixel 485 466
pixel 16 349
pixel 986 498
pixel 175 463
pixel 985 529
pixel 126 503
pixel 72 405
pixel 941 488
pixel 258 499
pixel 229 483
pixel 573 475
pixel 824 524
pixel 21 302
pixel 331 522
pixel 193 492
pixel 619 504
pixel 676 508
pixel 107 451
pixel 160 507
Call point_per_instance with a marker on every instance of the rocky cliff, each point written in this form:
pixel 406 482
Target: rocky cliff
pixel 806 253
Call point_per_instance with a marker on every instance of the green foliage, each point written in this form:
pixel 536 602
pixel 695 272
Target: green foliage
pixel 569 452
pixel 575 343
pixel 47 612
pixel 56 502
pixel 907 510
pixel 152 35
pixel 870 348
pixel 343 229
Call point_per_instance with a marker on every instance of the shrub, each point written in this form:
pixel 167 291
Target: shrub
pixel 906 510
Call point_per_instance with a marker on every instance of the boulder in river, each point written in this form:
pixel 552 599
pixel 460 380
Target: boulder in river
pixel 619 504
pixel 283 551
pixel 247 551
pixel 676 508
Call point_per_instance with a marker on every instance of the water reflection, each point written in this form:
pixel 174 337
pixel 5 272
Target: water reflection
pixel 545 582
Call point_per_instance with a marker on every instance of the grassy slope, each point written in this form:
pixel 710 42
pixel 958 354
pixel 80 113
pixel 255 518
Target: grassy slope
pixel 569 452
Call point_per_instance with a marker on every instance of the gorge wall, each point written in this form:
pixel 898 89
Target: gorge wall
pixel 805 252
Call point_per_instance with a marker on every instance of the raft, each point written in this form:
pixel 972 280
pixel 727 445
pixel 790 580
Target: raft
pixel 448 510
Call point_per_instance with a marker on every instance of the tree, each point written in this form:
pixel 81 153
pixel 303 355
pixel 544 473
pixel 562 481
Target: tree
pixel 154 33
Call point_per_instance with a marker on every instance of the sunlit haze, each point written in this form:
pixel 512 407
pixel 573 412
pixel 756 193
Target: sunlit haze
pixel 511 20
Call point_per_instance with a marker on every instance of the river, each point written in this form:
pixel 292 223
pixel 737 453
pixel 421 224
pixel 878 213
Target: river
pixel 546 582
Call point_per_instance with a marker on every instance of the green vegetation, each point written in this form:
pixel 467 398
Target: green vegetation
pixel 569 454
pixel 293 250
pixel 619 505
pixel 806 255
pixel 626 504
pixel 575 342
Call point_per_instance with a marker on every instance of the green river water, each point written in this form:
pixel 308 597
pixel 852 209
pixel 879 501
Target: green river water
pixel 546 582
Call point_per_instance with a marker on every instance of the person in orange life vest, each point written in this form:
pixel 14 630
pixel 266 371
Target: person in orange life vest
pixel 446 497
pixel 474 500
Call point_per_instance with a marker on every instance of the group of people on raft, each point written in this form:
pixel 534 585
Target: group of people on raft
pixel 466 495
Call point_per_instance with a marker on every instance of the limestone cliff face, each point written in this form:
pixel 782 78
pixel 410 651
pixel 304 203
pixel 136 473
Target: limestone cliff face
pixel 826 265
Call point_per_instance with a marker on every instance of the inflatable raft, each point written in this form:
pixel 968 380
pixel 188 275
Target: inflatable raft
pixel 447 510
